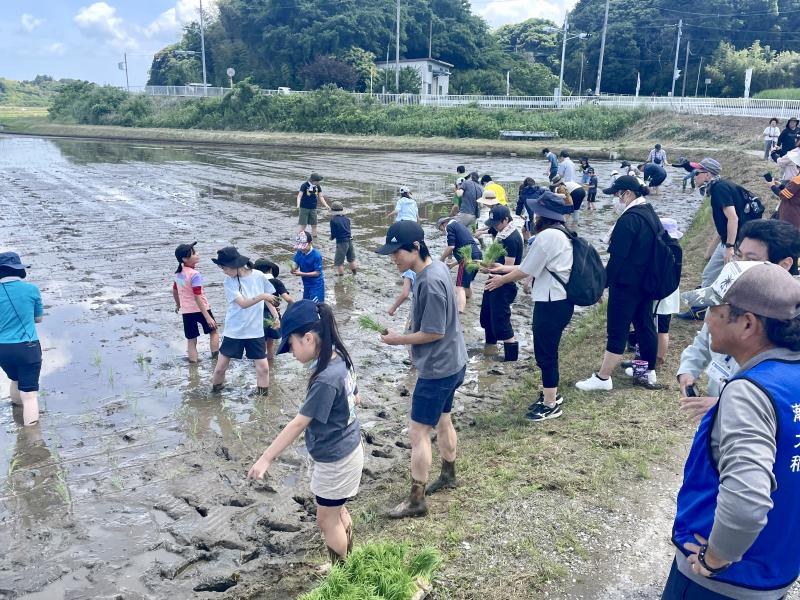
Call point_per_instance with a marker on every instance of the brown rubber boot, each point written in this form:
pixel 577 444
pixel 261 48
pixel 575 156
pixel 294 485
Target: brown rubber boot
pixel 414 506
pixel 349 532
pixel 446 479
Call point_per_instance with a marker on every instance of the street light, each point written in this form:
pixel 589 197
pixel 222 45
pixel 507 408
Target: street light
pixel 582 35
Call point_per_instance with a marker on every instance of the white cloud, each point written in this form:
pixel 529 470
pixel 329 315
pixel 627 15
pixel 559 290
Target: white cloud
pixel 56 48
pixel 100 20
pixel 29 22
pixel 172 20
pixel 500 12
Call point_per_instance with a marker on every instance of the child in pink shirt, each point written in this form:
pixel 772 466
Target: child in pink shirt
pixel 191 302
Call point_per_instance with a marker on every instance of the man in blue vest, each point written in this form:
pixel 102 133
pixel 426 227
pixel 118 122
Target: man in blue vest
pixel 737 526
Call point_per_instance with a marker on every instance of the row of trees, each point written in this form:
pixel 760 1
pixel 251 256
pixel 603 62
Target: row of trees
pixel 308 43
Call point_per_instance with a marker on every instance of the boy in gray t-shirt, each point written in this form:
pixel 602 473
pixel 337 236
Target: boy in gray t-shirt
pixel 438 352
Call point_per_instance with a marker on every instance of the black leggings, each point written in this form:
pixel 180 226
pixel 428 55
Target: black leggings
pixel 626 305
pixel 550 319
pixel 496 313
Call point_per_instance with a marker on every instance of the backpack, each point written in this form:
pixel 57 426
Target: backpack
pixel 752 208
pixel 587 280
pixel 663 275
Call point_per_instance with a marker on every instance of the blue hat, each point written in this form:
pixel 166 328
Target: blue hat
pixel 298 315
pixel 550 206
pixel 497 214
pixel 12 261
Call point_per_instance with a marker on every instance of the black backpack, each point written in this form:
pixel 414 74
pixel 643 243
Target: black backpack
pixel 752 208
pixel 587 280
pixel 663 273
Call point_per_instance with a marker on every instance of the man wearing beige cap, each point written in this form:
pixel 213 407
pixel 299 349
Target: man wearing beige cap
pixel 737 527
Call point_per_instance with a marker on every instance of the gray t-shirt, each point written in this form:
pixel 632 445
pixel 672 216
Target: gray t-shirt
pixel 334 431
pixel 434 311
pixel 469 201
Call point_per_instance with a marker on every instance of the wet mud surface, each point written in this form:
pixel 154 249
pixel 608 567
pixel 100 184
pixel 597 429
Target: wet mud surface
pixel 133 485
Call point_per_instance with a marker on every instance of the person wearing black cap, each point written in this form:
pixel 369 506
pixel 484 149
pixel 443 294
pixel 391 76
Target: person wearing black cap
pixel 657 156
pixel 458 237
pixel 496 304
pixel 247 292
pixel 630 251
pixel 21 309
pixel 191 302
pixel 440 356
pixel 549 262
pixel 307 198
pixel 328 417
pixel 272 331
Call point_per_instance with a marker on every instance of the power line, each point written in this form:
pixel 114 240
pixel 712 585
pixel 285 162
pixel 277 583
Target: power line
pixel 692 13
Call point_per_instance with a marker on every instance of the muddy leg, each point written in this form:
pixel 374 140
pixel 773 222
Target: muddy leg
pixel 213 340
pixel 14 393
pixel 446 438
pixel 663 345
pixel 329 520
pixel 191 350
pixel 270 349
pixel 340 270
pixel 218 378
pixel 420 451
pixel 461 298
pixel 262 373
pixel 353 267
pixel 30 408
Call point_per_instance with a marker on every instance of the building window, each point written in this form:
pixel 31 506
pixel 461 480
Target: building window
pixel 430 68
pixel 440 90
pixel 429 88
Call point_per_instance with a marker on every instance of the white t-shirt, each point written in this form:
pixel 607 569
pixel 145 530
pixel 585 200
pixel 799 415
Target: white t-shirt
pixel 567 170
pixel 245 323
pixel 771 134
pixel 552 251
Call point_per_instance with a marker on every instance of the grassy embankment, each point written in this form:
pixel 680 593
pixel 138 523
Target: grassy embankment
pixel 779 94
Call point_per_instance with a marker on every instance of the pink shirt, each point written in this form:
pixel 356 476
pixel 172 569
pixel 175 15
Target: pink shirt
pixel 189 284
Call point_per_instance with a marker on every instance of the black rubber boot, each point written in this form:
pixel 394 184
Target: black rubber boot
pixel 511 351
pixel 217 388
pixel 262 391
pixel 414 506
pixel 446 479
pixel 215 355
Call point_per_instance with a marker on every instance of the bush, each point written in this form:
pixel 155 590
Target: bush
pixel 779 94
pixel 327 110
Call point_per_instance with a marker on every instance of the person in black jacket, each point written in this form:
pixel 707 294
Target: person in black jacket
pixel 529 192
pixel 630 249
pixel 788 137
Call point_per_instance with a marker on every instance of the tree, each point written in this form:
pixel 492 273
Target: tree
pixel 326 69
pixel 531 38
pixel 410 81
pixel 363 62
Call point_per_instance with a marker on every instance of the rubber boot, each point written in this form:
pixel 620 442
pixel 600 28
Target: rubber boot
pixel 262 391
pixel 217 388
pixel 414 505
pixel 511 351
pixel 334 556
pixel 446 479
pixel 214 354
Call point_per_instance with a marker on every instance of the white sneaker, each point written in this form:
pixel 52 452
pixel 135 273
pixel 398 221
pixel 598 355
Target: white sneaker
pixel 594 383
pixel 629 371
pixel 651 378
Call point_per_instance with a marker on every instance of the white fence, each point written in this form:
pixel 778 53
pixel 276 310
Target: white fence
pixel 782 109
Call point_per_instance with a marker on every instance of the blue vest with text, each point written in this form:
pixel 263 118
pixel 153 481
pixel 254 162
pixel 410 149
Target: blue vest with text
pixel 773 561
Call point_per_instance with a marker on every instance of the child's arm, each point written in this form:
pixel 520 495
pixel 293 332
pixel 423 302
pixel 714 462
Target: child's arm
pixel 322 199
pixel 299 195
pixel 209 319
pixel 392 214
pixel 286 296
pixel 285 439
pixel 175 295
pixel 274 313
pixel 248 302
pixel 402 297
pixel 447 252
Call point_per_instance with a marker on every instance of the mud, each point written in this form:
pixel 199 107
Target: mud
pixel 133 485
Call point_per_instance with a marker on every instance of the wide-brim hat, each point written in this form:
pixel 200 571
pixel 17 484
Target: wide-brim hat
pixel 229 257
pixel 12 261
pixel 550 206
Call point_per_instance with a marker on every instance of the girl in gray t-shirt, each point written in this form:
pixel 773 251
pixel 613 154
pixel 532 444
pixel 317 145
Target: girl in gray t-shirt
pixel 328 418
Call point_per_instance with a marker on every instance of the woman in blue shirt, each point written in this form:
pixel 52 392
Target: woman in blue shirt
pixel 20 352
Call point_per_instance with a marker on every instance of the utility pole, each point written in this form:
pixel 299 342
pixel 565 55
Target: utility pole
pixel 677 51
pixel 580 81
pixel 203 49
pixel 127 83
pixel 699 70
pixel 602 52
pixel 397 52
pixel 563 56
pixel 686 68
pixel 508 83
pixel 430 39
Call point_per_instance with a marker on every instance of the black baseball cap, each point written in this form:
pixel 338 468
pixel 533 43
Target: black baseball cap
pixel 626 182
pixel 184 251
pixel 497 214
pixel 298 315
pixel 400 234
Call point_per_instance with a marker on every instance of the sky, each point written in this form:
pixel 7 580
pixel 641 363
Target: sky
pixel 82 39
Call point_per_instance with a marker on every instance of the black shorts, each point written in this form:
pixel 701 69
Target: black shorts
pixel 464 276
pixel 434 397
pixel 192 322
pixel 22 363
pixel 256 348
pixel 331 503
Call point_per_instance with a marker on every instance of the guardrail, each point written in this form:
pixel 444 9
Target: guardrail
pixel 742 107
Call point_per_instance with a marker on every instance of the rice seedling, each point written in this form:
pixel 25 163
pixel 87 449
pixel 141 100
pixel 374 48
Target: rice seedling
pixel 367 322
pixel 269 323
pixel 61 488
pixel 464 254
pixel 493 252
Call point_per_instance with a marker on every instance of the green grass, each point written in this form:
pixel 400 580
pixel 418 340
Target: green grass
pixel 378 571
pixel 779 94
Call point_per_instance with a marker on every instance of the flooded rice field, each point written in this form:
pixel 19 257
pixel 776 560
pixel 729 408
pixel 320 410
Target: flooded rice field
pixel 133 485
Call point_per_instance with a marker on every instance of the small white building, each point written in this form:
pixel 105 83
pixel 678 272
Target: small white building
pixel 434 74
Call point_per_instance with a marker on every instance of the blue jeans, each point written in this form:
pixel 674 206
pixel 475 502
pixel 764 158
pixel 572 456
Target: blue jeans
pixel 714 266
pixel 767 148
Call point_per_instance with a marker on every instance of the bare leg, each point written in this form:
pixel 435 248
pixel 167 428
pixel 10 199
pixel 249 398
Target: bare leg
pixel 213 340
pixel 610 362
pixel 191 350
pixel 314 231
pixel 663 345
pixel 30 408
pixel 262 372
pixel 329 520
pixel 270 349
pixel 219 370
pixel 461 298
pixel 446 439
pixel 14 393
pixel 421 450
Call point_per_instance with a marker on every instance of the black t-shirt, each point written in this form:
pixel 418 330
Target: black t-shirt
pixel 310 195
pixel 514 245
pixel 458 236
pixel 340 229
pixel 654 174
pixel 725 193
pixel 280 289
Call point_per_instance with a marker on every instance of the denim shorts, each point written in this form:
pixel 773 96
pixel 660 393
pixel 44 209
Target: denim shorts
pixel 434 397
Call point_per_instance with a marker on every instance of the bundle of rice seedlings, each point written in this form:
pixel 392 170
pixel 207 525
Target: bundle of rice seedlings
pixel 492 253
pixel 269 322
pixel 464 254
pixel 367 322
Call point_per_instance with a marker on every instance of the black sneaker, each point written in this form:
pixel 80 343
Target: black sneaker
pixel 540 400
pixel 542 412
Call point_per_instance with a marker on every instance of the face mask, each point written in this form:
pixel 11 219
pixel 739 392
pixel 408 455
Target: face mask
pixel 619 206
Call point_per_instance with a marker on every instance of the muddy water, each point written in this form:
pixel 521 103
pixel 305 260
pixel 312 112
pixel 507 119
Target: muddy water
pixel 134 481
